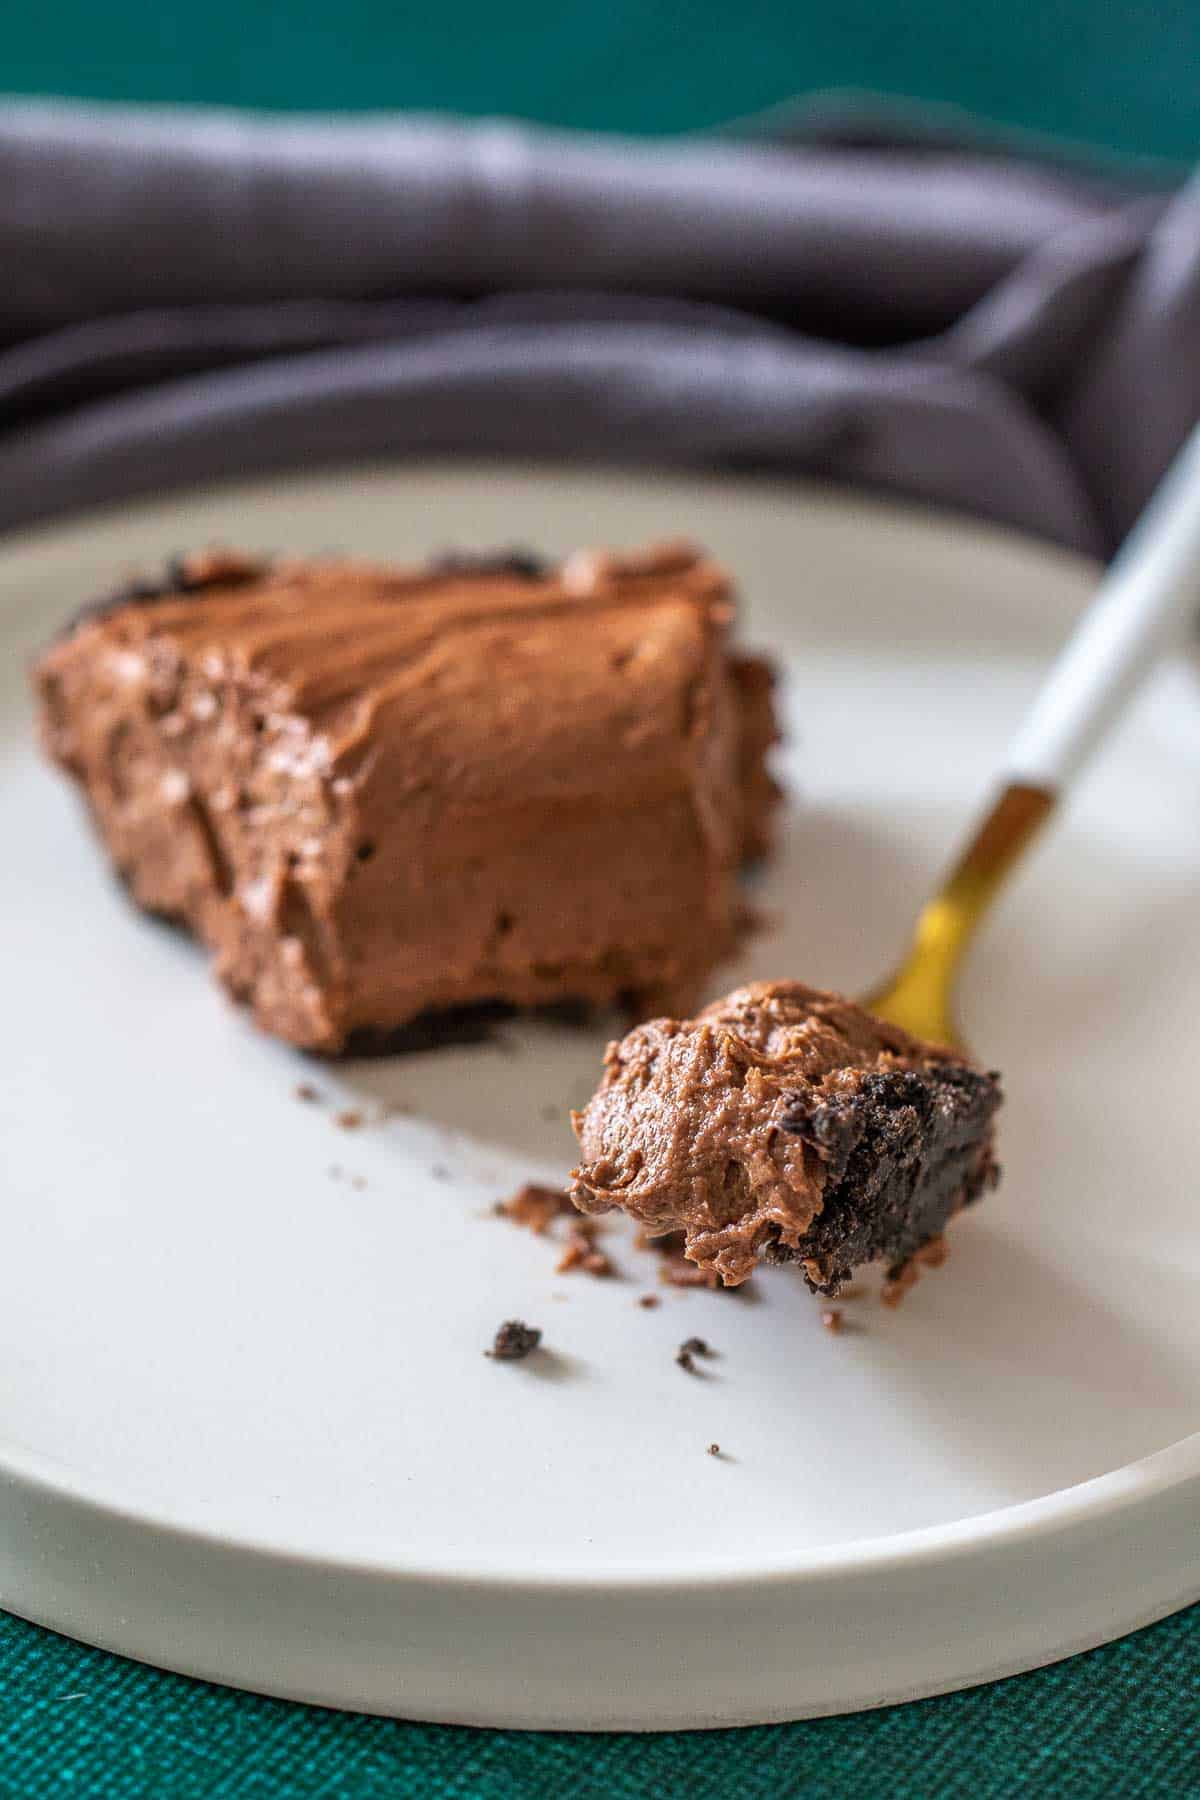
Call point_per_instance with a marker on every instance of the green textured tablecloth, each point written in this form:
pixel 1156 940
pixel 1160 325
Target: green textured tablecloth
pixel 1124 75
pixel 1124 1721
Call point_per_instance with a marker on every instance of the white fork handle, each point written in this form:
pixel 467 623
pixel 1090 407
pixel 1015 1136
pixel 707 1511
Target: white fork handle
pixel 1143 605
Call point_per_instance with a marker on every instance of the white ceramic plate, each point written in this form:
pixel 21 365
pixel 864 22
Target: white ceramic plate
pixel 246 1426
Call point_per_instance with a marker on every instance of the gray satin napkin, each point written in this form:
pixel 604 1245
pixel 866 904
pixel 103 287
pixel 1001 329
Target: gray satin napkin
pixel 188 296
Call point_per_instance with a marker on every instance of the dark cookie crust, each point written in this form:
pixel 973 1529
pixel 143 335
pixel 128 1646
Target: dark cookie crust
pixel 192 574
pixel 180 575
pixel 905 1150
pixel 525 565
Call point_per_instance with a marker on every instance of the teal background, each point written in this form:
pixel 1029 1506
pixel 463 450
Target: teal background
pixel 1120 1724
pixel 1120 75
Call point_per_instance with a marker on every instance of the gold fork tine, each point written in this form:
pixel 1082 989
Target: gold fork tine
pixel 920 995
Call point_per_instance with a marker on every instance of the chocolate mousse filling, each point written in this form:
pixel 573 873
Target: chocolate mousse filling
pixel 788 1125
pixel 382 796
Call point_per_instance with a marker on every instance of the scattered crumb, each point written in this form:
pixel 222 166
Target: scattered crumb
pixel 305 1091
pixel 689 1350
pixel 514 1341
pixel 649 1300
pixel 832 1319
pixel 933 1254
pixel 350 1120
pixel 905 1275
pixel 535 1206
pixel 714 1449
pixel 581 1253
pixel 898 1282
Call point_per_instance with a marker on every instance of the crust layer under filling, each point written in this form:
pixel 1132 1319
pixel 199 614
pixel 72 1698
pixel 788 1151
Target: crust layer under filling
pixel 787 1124
pixel 376 792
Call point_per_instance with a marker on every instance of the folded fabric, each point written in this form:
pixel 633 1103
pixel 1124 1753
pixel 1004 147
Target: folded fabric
pixel 189 296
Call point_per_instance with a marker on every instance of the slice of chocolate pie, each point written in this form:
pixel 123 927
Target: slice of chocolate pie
pixel 787 1124
pixel 374 792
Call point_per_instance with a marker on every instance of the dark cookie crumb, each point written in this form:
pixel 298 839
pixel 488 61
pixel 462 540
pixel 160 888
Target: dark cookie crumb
pixel 526 565
pixel 689 1350
pixel 649 1301
pixel 305 1091
pixel 350 1120
pixel 514 1341
pixel 182 575
pixel 902 1276
pixel 714 1449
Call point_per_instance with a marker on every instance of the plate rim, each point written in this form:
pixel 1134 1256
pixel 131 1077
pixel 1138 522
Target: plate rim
pixel 1173 1467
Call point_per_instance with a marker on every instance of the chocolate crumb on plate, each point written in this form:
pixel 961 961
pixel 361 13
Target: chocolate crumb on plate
pixel 581 1253
pixel 536 1207
pixel 305 1091
pixel 689 1350
pixel 714 1449
pixel 514 1341
pixel 349 1120
pixel 649 1301
pixel 902 1276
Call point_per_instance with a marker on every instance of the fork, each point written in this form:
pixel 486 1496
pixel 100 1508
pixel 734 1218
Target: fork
pixel 1141 609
